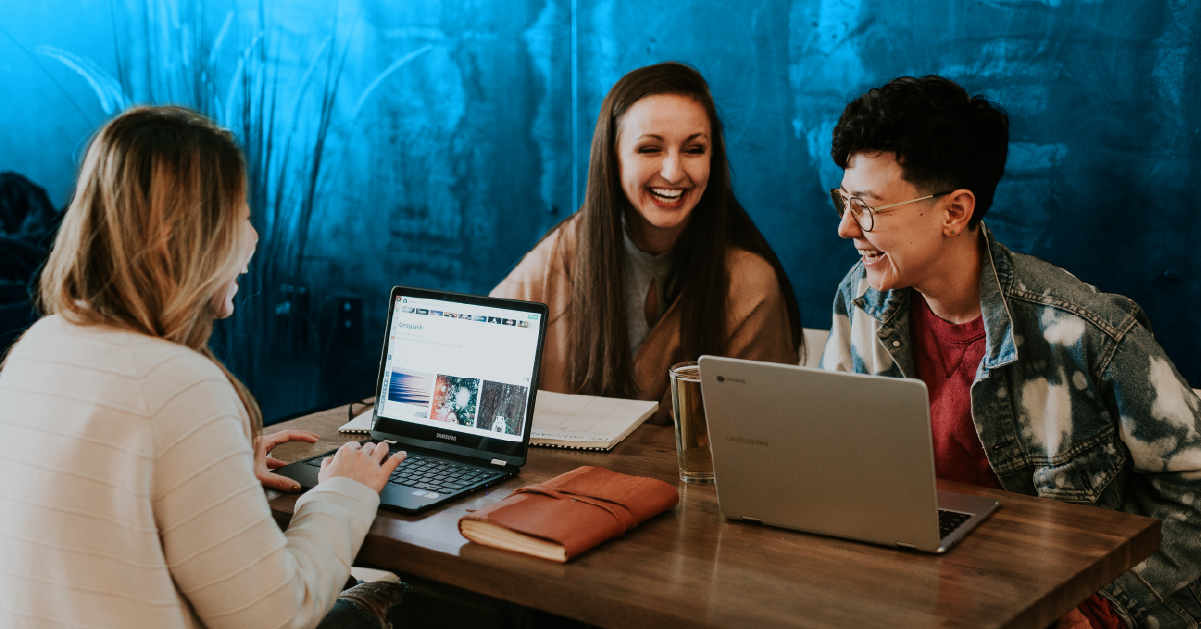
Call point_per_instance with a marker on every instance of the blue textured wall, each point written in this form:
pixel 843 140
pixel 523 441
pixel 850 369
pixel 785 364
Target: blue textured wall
pixel 458 132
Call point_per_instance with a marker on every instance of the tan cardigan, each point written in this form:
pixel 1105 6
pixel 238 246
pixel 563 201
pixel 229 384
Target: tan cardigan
pixel 757 318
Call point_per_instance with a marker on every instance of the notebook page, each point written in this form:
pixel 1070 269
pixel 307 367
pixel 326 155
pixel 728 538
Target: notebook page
pixel 361 422
pixel 586 418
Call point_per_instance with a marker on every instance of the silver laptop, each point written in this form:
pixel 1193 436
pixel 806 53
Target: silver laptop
pixel 834 453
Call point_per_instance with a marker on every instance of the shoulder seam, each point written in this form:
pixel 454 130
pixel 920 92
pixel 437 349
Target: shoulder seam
pixel 1059 303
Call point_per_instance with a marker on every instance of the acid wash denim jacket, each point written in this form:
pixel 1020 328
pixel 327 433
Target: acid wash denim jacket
pixel 1074 400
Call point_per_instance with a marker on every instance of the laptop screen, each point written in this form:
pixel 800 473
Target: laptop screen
pixel 459 373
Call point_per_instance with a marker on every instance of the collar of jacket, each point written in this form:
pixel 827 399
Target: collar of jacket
pixel 996 278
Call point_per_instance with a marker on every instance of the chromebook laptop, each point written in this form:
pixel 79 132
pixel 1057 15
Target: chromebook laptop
pixel 841 454
pixel 455 390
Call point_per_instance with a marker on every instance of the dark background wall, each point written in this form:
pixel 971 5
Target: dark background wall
pixel 432 142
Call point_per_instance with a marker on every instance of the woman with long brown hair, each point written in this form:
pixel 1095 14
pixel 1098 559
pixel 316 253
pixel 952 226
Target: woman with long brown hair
pixel 660 264
pixel 132 495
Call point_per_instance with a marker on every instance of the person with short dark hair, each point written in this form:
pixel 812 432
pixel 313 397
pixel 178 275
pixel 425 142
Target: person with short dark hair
pixel 1039 383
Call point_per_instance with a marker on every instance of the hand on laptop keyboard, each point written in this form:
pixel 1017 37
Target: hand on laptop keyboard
pixel 363 462
pixel 264 462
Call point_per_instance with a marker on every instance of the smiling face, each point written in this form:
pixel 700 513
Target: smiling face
pixel 223 300
pixel 906 245
pixel 663 149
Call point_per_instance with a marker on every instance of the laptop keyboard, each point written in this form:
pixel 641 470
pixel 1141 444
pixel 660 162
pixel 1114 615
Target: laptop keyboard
pixel 433 474
pixel 948 521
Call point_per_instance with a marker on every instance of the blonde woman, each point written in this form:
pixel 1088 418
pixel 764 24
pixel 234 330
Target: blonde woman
pixel 130 495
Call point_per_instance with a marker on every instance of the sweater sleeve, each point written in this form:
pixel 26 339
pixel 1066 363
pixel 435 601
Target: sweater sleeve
pixel 225 552
pixel 528 280
pixel 519 284
pixel 758 327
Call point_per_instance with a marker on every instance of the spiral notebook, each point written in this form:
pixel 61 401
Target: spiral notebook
pixel 360 424
pixel 560 420
pixel 585 422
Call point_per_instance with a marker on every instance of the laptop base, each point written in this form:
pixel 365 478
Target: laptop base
pixel 403 494
pixel 977 507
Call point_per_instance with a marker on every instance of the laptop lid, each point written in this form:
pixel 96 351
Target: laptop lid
pixel 457 374
pixel 825 452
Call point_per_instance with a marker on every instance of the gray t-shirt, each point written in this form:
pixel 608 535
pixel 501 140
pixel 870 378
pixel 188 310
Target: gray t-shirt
pixel 639 269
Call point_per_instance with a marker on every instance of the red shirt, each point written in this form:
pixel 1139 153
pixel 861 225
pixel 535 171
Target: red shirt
pixel 946 356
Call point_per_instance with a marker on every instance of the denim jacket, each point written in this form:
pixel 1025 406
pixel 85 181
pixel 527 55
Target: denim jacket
pixel 1074 400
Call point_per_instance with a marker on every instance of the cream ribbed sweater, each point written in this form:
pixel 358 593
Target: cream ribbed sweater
pixel 129 497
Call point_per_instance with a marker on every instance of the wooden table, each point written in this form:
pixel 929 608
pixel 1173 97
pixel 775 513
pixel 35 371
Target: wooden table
pixel 1028 564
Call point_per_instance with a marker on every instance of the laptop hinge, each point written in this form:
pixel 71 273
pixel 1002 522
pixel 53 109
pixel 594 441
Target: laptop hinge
pixel 904 545
pixel 498 462
pixel 750 519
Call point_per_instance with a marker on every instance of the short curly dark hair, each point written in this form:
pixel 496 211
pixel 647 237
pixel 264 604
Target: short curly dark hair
pixel 942 137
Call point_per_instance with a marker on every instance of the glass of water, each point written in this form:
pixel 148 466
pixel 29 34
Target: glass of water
pixel 692 433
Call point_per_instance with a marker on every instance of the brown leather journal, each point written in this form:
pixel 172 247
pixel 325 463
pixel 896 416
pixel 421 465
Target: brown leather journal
pixel 569 513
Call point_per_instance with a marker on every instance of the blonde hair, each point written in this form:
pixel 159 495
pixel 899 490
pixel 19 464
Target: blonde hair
pixel 152 232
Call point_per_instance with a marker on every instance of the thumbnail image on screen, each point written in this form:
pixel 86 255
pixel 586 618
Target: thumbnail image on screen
pixel 455 400
pixel 502 407
pixel 411 391
pixel 409 387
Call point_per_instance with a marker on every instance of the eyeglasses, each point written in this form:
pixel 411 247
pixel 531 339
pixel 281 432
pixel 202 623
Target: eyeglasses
pixel 865 214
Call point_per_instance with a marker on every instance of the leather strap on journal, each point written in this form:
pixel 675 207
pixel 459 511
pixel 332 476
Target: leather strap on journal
pixel 581 508
pixel 620 512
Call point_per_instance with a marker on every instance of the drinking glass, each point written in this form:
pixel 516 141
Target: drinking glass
pixel 692 433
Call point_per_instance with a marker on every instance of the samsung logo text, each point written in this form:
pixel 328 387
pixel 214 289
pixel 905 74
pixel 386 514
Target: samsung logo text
pixel 738 380
pixel 448 437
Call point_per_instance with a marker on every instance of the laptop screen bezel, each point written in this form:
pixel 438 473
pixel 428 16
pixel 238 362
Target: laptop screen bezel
pixel 510 452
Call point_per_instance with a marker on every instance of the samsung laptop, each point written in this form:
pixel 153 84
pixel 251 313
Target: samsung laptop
pixel 455 391
pixel 833 453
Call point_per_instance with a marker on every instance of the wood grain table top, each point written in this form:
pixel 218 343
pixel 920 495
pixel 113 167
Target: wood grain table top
pixel 1028 564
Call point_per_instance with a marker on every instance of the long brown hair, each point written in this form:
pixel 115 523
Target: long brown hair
pixel 600 359
pixel 152 231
